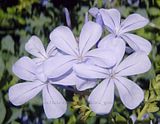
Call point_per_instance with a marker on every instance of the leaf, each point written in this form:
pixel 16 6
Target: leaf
pixel 156 21
pixel 2 109
pixel 103 121
pixel 152 108
pixel 120 118
pixel 9 63
pixel 154 11
pixel 15 122
pixel 146 95
pixel 8 44
pixel 72 120
pixel 2 67
pixel 15 114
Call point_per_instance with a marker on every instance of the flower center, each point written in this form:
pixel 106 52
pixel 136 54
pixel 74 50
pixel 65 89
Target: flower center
pixel 80 58
pixel 111 74
pixel 117 32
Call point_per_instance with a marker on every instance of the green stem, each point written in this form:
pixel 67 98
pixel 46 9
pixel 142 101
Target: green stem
pixel 144 110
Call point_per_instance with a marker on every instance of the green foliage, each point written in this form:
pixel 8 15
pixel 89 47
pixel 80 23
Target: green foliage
pixel 29 17
pixel 152 98
pixel 2 109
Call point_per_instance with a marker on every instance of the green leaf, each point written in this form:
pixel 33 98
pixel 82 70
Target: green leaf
pixel 2 67
pixel 120 118
pixel 103 121
pixel 154 11
pixel 15 114
pixel 156 21
pixel 152 108
pixel 10 63
pixel 146 95
pixel 8 44
pixel 2 109
pixel 15 122
pixel 72 120
pixel 158 2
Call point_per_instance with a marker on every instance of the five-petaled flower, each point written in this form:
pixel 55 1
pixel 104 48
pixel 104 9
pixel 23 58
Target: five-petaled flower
pixel 111 18
pixel 53 102
pixel 71 61
pixel 102 97
pixel 77 52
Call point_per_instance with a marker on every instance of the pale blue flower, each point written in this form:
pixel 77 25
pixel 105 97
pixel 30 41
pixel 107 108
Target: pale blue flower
pixel 118 28
pixel 101 98
pixel 53 102
pixel 95 13
pixel 35 47
pixel 77 51
pixel 67 15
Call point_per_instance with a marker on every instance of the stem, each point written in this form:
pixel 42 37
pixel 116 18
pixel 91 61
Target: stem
pixel 144 110
pixel 154 26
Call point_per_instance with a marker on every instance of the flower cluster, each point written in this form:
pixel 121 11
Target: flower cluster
pixel 81 63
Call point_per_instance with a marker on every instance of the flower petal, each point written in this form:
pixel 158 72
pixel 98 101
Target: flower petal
pixel 90 34
pixel 116 45
pixel 89 71
pixel 23 92
pixel 53 102
pixel 35 47
pixel 63 39
pixel 105 41
pixel 133 22
pixel 25 69
pixel 40 73
pixel 137 43
pixel 65 80
pixel 38 61
pixel 94 11
pixel 103 57
pixel 83 84
pixel 102 97
pixel 130 93
pixel 111 18
pixel 51 50
pixel 136 63
pixel 58 65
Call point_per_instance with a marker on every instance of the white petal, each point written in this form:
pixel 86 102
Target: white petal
pixel 94 11
pixel 38 61
pixel 51 49
pixel 84 84
pixel 102 97
pixel 63 39
pixel 23 92
pixel 58 65
pixel 25 69
pixel 66 79
pixel 133 22
pixel 104 42
pixel 111 18
pixel 35 47
pixel 136 63
pixel 103 57
pixel 90 34
pixel 130 93
pixel 89 71
pixel 40 73
pixel 137 43
pixel 117 45
pixel 53 102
